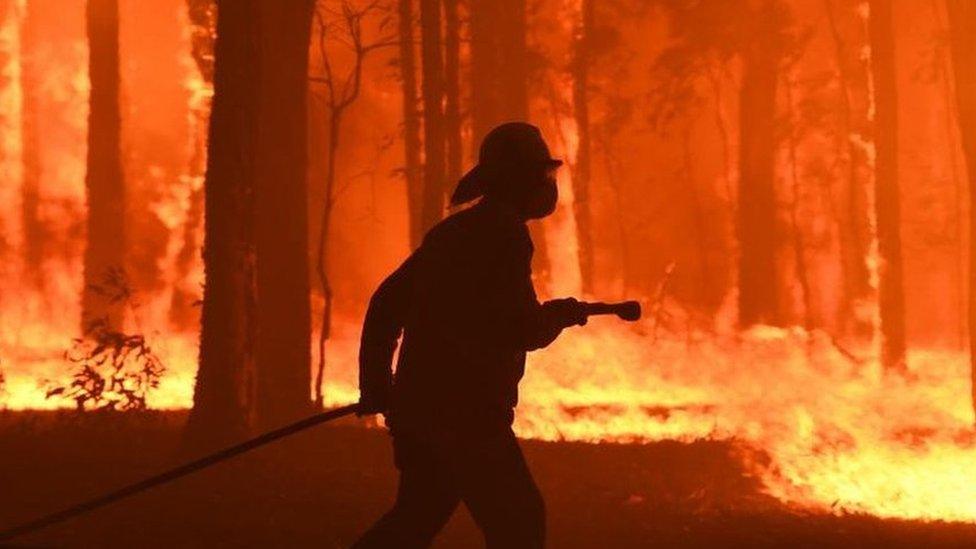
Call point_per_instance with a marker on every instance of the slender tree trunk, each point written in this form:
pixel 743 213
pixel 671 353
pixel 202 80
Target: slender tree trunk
pixel 799 247
pixel 891 300
pixel 224 396
pixel 11 156
pixel 484 108
pixel 697 215
pixel 434 130
pixel 183 314
pixel 452 90
pixel 104 183
pixel 322 254
pixel 254 348
pixel 30 146
pixel 583 165
pixel 411 122
pixel 854 226
pixel 758 229
pixel 962 33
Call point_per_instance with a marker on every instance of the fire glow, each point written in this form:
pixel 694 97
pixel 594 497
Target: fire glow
pixel 840 436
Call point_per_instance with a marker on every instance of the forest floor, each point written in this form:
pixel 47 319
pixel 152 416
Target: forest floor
pixel 322 487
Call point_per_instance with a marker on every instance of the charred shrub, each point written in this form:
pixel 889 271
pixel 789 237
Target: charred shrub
pixel 111 369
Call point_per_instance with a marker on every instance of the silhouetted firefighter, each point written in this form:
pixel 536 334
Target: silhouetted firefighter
pixel 465 304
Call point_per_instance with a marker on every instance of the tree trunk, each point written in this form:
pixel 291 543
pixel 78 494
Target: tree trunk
pixel 582 168
pixel 512 69
pixel 183 314
pixel 254 347
pixel 224 396
pixel 484 110
pixel 30 146
pixel 434 131
pixel 853 220
pixel 962 34
pixel 891 300
pixel 11 156
pixel 452 90
pixel 411 122
pixel 500 84
pixel 758 230
pixel 104 182
pixel 281 213
pixel 810 320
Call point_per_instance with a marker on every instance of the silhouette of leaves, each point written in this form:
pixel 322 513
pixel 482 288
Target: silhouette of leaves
pixel 112 370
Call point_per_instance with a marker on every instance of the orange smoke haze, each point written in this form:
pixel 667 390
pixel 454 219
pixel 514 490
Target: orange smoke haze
pixel 812 414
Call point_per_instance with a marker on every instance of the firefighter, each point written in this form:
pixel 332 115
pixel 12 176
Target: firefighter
pixel 465 305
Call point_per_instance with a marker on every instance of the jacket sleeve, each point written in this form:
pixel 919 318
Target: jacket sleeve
pixel 532 326
pixel 385 319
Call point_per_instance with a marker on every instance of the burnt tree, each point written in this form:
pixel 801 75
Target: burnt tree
pixel 202 15
pixel 452 92
pixel 254 345
pixel 499 66
pixel 281 211
pixel 891 300
pixel 224 395
pixel 853 223
pixel 104 182
pixel 432 85
pixel 962 35
pixel 757 225
pixel 338 91
pixel 33 229
pixel 500 83
pixel 582 168
pixel 411 119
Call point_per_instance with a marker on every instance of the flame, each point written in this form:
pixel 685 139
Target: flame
pixel 818 430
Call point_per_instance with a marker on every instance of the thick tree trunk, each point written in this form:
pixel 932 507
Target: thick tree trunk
pixel 582 168
pixel 891 300
pixel 254 348
pixel 434 132
pixel 281 213
pixel 758 229
pixel 499 71
pixel 104 182
pixel 962 33
pixel 500 84
pixel 411 122
pixel 224 396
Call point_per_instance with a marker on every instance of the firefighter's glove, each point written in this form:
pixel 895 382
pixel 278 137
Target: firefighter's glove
pixel 565 312
pixel 370 404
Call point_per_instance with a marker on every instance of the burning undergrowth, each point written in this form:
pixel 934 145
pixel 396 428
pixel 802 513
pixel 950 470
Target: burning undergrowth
pixel 819 431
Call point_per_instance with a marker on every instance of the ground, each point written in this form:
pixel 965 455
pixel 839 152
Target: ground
pixel 322 487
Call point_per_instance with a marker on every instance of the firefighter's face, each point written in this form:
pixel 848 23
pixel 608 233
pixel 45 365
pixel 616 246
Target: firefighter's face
pixel 541 193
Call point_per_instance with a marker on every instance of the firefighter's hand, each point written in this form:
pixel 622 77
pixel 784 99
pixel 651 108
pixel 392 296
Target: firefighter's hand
pixel 369 405
pixel 565 312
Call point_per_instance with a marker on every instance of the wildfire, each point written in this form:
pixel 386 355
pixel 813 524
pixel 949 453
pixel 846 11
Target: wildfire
pixel 839 435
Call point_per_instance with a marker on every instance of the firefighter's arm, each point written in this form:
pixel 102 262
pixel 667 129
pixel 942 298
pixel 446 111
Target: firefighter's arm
pixel 384 322
pixel 539 324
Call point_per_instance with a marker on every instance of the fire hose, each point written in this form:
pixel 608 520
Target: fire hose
pixel 628 310
pixel 173 474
